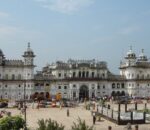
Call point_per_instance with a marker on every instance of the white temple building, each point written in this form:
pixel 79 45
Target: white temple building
pixel 74 79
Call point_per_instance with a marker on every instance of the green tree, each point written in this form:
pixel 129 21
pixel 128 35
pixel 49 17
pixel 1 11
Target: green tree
pixel 12 123
pixel 81 125
pixel 49 125
pixel 18 122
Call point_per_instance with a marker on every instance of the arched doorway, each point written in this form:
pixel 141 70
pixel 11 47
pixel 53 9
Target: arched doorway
pixel 118 93
pixel 113 94
pixel 35 95
pixel 41 96
pixel 84 92
pixel 47 95
pixel 123 93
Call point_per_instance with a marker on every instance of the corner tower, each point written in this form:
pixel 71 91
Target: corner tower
pixel 29 56
pixel 29 63
pixel 130 57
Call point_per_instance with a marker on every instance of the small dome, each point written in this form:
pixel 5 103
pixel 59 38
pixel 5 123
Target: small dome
pixel 29 52
pixel 130 54
pixel 142 56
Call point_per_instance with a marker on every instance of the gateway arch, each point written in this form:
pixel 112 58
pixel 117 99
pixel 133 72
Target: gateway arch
pixel 83 92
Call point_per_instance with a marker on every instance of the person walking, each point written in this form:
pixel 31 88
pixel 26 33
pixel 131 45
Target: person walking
pixel 94 118
pixel 38 105
pixel 68 112
pixel 33 105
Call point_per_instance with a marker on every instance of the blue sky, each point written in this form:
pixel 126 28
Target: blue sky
pixel 79 29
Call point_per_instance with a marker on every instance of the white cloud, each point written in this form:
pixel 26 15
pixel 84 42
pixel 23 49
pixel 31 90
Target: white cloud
pixel 130 30
pixel 3 15
pixel 7 31
pixel 104 39
pixel 65 6
pixel 13 33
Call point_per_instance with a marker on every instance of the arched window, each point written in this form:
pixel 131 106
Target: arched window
pixel 122 93
pixel 113 85
pixel 65 75
pixel 113 93
pixel 118 85
pixel 13 77
pixel 118 93
pixel 122 85
pixel 79 74
pixel 93 74
pixel 103 75
pixel 59 75
pixel 47 84
pixel 74 86
pixel 83 74
pixel 74 74
pixel 87 74
pixel 103 86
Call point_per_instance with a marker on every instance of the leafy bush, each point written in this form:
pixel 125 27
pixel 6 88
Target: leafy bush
pixel 11 123
pixel 49 125
pixel 81 126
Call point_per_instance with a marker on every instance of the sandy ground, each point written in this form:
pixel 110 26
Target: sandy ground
pixel 60 115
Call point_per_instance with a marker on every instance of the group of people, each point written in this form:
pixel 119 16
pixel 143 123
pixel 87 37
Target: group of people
pixel 21 107
pixel 3 112
pixel 94 111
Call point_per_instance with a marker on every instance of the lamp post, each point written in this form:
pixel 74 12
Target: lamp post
pixel 25 116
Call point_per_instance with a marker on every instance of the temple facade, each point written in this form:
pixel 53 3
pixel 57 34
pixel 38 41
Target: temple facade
pixel 77 79
pixel 74 79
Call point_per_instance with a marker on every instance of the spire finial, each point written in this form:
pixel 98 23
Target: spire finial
pixel 28 44
pixel 142 50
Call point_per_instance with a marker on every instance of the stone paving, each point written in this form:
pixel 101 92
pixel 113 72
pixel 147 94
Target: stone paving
pixel 60 115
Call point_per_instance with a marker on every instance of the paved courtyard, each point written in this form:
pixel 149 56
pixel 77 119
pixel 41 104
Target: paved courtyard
pixel 60 115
